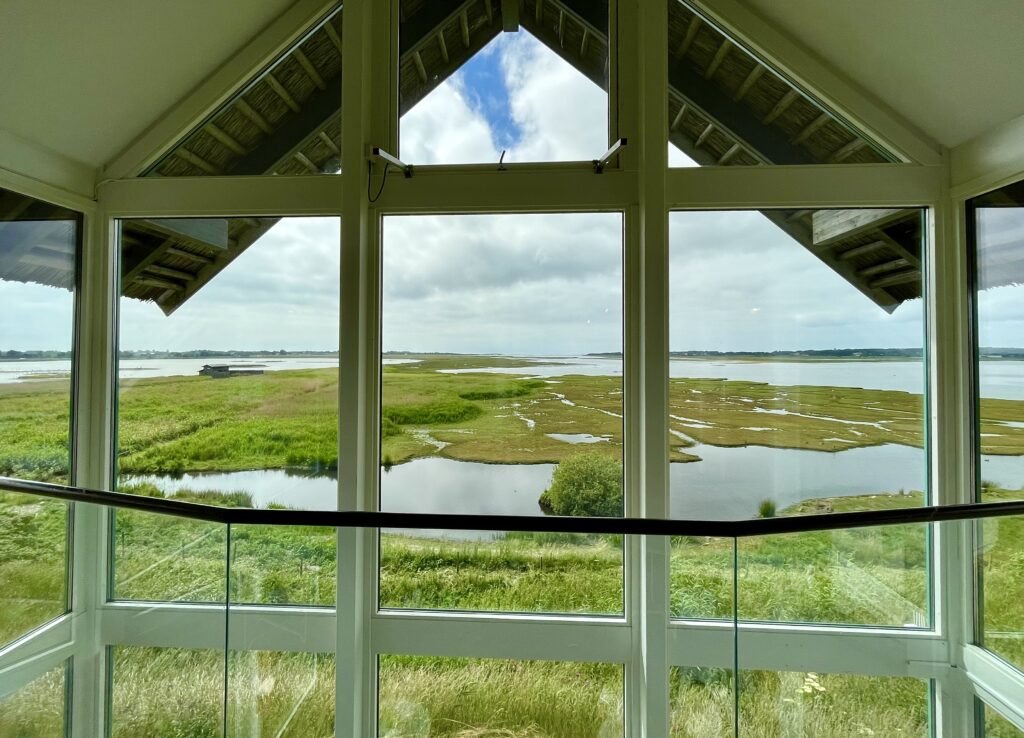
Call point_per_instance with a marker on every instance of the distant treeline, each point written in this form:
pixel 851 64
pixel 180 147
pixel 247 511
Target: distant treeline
pixel 851 353
pixel 194 354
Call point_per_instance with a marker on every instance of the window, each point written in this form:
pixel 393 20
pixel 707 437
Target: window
pixel 797 386
pixel 998 250
pixel 502 394
pixel 509 82
pixel 39 246
pixel 228 400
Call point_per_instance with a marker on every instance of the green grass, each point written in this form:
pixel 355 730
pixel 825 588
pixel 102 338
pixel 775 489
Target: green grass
pixel 289 419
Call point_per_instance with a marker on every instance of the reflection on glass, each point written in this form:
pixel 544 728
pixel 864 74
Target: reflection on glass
pixel 999 270
pixel 796 387
pixel 999 275
pixel 702 573
pixel 812 705
pixel 160 692
pixel 38 256
pixel 1002 587
pixel 726 106
pixel 995 725
pixel 482 82
pixel 228 391
pixel 168 559
pixel 502 394
pixel 702 702
pixel 39 709
pixel 33 563
pixel 425 696
pixel 280 695
pixel 862 576
pixel 285 120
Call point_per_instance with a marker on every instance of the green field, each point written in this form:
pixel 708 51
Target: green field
pixel 289 419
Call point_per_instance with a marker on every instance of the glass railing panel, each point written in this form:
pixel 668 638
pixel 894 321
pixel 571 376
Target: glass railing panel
pixel 862 576
pixel 33 562
pixel 39 709
pixel 428 696
pixel 160 692
pixel 815 705
pixel 1000 546
pixel 993 725
pixel 280 695
pixel 165 558
pixel 702 578
pixel 283 565
pixel 702 702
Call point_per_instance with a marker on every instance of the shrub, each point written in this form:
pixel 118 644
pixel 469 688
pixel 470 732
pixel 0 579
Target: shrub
pixel 587 484
pixel 766 509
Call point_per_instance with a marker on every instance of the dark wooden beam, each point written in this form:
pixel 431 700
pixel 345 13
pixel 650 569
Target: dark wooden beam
pixel 736 119
pixel 510 16
pixel 317 110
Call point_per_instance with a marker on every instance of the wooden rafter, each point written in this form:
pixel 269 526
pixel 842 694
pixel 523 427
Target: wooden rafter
pixel 716 62
pixel 704 135
pixel 281 92
pixel 309 69
pixel 251 113
pixel 442 46
pixel 808 130
pixel 728 155
pixel 679 116
pixel 781 106
pixel 464 26
pixel 225 138
pixel 748 82
pixel 333 35
pixel 691 34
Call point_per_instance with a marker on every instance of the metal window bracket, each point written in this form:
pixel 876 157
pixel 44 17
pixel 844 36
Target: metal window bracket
pixel 600 164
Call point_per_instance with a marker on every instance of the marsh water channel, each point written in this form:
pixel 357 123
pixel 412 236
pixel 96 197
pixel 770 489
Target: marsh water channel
pixel 727 483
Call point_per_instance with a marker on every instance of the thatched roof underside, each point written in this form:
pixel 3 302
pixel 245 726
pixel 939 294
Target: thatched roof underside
pixel 726 108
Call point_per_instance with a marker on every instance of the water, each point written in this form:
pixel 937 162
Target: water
pixel 22 371
pixel 728 483
pixel 999 379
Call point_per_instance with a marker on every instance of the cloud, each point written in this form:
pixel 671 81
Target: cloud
pixel 280 293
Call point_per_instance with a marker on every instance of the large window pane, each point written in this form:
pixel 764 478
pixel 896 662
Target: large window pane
pixel 502 394
pixel 39 709
pixel 39 245
pixel 796 386
pixel 998 248
pixel 228 395
pixel 446 698
pixel 485 82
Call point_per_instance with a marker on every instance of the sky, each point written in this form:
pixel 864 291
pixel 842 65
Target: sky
pixel 518 284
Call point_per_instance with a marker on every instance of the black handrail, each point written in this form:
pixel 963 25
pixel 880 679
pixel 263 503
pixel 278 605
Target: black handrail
pixel 525 523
